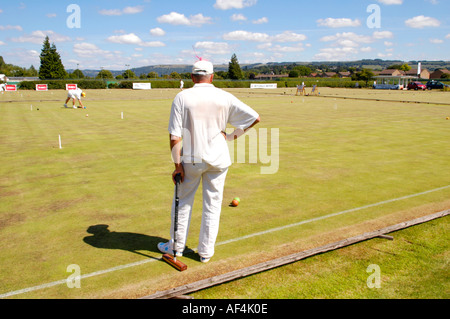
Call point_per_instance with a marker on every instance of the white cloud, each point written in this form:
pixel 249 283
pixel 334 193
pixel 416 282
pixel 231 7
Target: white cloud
pixel 238 17
pixel 336 54
pixel 383 35
pixel 11 27
pixel 118 12
pixel 287 49
pixel 421 22
pixel 213 47
pixel 348 36
pixel 152 44
pixel 88 50
pixel 199 19
pixel 51 15
pixel 157 32
pixel 22 57
pixel 110 12
pixel 390 2
pixel 261 21
pixel 175 18
pixel 233 4
pixel 366 49
pixel 246 36
pixel 338 23
pixel 2 43
pixel 133 10
pixel 346 45
pixel 38 37
pixel 241 35
pixel 264 46
pixel 132 38
pixel 92 56
pixel 447 36
pixel 288 36
pixel 436 41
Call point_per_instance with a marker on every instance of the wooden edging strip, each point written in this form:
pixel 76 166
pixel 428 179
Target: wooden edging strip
pixel 240 273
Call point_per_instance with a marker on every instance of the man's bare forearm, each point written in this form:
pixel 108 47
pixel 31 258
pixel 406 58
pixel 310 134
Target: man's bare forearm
pixel 239 132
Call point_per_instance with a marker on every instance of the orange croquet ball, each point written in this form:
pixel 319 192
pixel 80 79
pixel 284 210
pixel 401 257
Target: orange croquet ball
pixel 235 202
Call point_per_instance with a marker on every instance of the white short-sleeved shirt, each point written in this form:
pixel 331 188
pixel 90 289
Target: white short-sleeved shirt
pixel 199 115
pixel 75 94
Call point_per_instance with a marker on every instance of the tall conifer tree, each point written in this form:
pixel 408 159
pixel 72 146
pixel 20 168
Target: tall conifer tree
pixel 51 65
pixel 234 69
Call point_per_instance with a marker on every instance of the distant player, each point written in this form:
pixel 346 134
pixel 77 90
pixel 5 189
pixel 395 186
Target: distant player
pixel 301 89
pixel 75 94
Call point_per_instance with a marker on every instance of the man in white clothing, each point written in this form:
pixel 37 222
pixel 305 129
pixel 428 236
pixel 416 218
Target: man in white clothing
pixel 75 94
pixel 198 141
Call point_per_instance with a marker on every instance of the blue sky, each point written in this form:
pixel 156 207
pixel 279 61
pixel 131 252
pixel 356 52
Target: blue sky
pixel 124 34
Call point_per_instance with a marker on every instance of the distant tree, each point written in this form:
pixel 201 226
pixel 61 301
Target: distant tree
pixel 251 75
pixel 32 71
pixel 51 65
pixel 402 67
pixel 303 70
pixel 234 69
pixel 77 74
pixel 175 75
pixel 152 75
pixel 365 75
pixel 293 74
pixel 104 74
pixel 221 75
pixel 128 74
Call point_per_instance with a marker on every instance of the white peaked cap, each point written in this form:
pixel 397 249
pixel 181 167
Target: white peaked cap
pixel 203 67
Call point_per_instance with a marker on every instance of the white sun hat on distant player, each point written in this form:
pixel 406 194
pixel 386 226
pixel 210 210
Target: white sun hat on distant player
pixel 203 67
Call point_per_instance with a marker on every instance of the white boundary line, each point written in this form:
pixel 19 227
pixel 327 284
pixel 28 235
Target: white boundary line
pixel 145 261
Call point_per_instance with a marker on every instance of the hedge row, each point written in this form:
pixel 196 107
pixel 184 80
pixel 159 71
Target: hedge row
pixel 173 84
pixel 61 84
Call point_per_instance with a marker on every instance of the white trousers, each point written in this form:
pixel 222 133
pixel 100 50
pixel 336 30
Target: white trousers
pixel 213 181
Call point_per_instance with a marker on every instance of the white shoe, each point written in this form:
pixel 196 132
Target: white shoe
pixel 65 105
pixel 164 248
pixel 74 107
pixel 204 260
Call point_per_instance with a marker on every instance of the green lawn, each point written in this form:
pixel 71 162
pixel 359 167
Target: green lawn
pixel 334 155
pixel 412 266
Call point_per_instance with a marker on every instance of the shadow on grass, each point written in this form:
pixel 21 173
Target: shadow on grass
pixel 103 238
